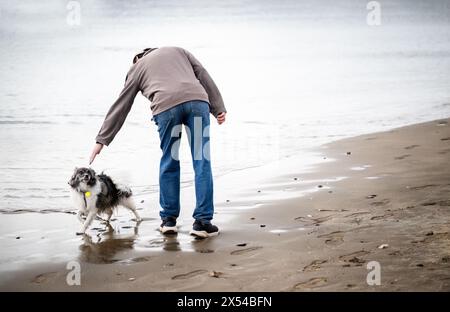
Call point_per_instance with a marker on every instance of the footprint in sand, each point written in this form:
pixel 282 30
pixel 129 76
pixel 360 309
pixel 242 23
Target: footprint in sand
pixel 382 217
pixel 44 277
pixel 314 221
pixel 141 259
pixel 411 146
pixel 353 258
pixel 244 251
pixel 189 275
pixel 357 214
pixel 437 203
pixel 380 203
pixel 312 283
pixel 402 157
pixel 421 187
pixel 314 266
pixel 333 238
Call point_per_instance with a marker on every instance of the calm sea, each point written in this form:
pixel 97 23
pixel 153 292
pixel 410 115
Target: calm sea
pixel 294 75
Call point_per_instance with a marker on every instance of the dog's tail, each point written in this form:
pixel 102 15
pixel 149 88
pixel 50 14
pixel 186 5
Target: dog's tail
pixel 124 191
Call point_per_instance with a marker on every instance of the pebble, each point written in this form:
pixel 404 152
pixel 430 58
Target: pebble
pixel 262 225
pixel 215 274
pixel 383 246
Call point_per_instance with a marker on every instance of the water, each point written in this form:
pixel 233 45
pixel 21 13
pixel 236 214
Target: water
pixel 294 74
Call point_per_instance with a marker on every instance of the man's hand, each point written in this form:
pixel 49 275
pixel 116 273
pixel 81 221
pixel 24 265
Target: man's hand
pixel 221 118
pixel 97 149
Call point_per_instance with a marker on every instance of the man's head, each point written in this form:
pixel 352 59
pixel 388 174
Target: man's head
pixel 141 54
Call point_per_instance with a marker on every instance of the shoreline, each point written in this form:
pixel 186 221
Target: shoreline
pixel 313 228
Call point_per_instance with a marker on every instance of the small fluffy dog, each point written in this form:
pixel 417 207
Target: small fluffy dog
pixel 96 194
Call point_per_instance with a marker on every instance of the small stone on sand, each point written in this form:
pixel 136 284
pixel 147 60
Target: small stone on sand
pixel 383 246
pixel 215 274
pixel 262 225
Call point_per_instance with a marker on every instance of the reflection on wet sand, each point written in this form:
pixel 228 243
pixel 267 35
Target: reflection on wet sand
pixel 107 245
pixel 104 247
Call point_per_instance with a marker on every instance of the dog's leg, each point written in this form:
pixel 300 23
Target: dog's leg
pixel 80 216
pixel 92 212
pixel 90 217
pixel 129 203
pixel 109 214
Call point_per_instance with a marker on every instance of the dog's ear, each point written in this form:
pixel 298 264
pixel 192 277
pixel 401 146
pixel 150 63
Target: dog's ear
pixel 72 180
pixel 92 171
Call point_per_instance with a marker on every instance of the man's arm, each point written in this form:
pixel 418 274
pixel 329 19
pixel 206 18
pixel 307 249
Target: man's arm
pixel 119 110
pixel 215 98
pixel 117 113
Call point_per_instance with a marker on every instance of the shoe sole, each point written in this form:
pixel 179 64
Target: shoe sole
pixel 203 234
pixel 168 230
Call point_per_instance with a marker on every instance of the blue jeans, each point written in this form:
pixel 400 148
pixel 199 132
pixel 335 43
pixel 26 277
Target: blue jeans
pixel 195 116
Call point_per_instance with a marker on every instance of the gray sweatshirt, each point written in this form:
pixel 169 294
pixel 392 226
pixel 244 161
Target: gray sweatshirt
pixel 167 76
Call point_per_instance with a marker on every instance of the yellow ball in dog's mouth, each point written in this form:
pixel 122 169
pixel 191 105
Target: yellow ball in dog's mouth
pixel 87 194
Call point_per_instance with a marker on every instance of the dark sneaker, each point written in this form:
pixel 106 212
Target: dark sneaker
pixel 169 226
pixel 203 229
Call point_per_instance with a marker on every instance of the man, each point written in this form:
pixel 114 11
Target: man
pixel 181 92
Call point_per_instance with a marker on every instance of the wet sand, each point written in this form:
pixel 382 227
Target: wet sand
pixel 381 197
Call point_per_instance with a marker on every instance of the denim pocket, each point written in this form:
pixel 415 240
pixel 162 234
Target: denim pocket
pixel 200 108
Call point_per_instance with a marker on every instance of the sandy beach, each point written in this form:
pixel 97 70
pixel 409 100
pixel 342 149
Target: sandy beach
pixel 381 197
